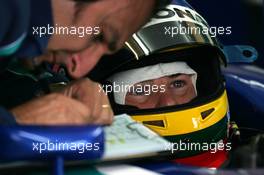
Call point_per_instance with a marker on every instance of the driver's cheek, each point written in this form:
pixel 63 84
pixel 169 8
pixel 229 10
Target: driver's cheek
pixel 186 97
pixel 142 102
pixel 166 99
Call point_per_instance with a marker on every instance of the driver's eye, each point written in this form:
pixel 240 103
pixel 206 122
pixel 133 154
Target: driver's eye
pixel 137 92
pixel 178 84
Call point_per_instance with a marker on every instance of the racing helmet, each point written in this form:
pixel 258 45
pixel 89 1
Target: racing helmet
pixel 204 121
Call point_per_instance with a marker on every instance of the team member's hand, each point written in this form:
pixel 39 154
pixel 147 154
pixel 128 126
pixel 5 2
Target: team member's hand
pixel 81 102
pixel 52 109
pixel 89 93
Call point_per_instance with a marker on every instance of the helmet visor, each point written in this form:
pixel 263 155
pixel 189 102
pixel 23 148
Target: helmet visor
pixel 173 27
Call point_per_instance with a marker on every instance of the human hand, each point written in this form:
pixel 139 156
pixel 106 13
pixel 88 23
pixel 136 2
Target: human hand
pixel 52 109
pixel 80 102
pixel 90 94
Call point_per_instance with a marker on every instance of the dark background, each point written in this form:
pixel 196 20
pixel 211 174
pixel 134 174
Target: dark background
pixel 244 16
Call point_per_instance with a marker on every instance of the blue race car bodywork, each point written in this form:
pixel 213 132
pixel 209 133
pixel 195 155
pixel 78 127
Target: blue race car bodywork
pixel 245 87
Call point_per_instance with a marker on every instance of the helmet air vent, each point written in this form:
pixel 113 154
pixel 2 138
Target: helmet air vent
pixel 159 123
pixel 206 113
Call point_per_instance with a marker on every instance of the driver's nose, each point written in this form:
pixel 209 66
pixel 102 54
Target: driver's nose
pixel 166 99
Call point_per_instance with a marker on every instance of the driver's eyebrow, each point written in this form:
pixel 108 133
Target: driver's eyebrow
pixel 147 82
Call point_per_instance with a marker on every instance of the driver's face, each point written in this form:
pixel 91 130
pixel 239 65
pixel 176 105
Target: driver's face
pixel 116 20
pixel 178 89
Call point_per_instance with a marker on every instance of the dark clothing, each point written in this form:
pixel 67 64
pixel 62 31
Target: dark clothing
pixel 14 18
pixel 18 17
pixel 18 20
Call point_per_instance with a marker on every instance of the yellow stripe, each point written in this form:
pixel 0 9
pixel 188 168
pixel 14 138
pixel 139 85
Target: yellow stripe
pixel 187 121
